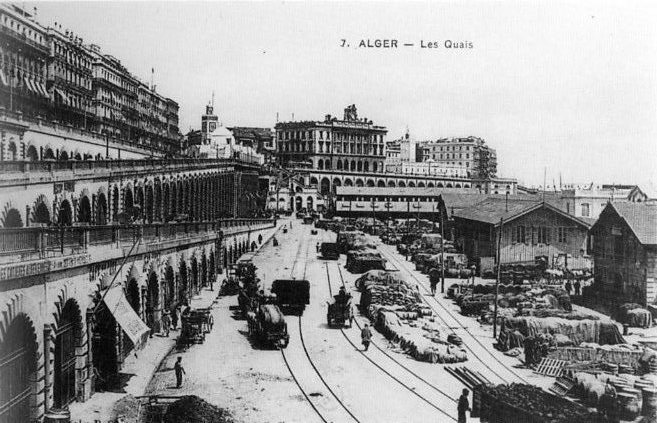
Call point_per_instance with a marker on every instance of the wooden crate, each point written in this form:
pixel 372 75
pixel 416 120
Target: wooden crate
pixel 550 367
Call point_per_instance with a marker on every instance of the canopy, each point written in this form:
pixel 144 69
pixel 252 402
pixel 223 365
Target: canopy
pixel 125 315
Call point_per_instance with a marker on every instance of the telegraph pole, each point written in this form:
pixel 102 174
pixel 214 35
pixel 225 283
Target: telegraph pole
pixel 442 252
pixel 497 281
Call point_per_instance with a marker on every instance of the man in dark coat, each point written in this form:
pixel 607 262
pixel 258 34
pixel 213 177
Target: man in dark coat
pixel 464 405
pixel 577 287
pixel 178 368
pixel 366 337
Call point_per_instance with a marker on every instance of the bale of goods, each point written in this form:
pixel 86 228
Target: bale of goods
pixel 649 407
pixel 536 348
pixel 359 261
pixel 529 404
pixel 598 331
pixel 192 409
pixel 639 318
pixel 509 340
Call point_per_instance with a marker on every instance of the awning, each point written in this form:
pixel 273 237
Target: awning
pixel 42 89
pixel 125 315
pixel 28 83
pixel 3 78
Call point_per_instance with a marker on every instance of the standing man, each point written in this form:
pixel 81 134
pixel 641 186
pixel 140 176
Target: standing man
pixel 569 287
pixel 366 337
pixel 578 285
pixel 174 317
pixel 464 405
pixel 166 323
pixel 178 368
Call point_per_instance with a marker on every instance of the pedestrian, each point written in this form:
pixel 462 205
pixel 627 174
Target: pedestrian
pixel 568 286
pixel 464 405
pixel 578 286
pixel 166 323
pixel 174 318
pixel 366 337
pixel 180 371
pixel 434 285
pixel 317 247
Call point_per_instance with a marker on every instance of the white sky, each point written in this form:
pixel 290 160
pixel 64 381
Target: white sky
pixel 571 86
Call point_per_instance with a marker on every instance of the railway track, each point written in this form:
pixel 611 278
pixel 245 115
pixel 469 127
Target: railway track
pixel 388 372
pixel 444 310
pixel 337 412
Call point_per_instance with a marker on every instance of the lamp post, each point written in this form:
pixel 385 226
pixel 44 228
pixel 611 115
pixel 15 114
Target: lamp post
pixel 497 280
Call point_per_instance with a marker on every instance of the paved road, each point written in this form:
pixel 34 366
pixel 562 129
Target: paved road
pixel 335 381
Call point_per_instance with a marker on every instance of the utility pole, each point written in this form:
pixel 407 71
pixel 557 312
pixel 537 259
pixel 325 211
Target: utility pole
pixel 497 280
pixel 442 252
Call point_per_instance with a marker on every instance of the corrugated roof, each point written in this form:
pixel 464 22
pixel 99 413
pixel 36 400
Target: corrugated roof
pixel 641 218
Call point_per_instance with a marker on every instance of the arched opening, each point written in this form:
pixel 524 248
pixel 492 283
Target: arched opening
pixel 170 279
pixel 101 209
pixel 359 182
pixel 313 181
pixel 32 154
pixel 353 165
pixel 440 185
pixel 103 346
pixel 370 182
pixel 402 184
pixel 430 185
pixel 359 167
pixel 298 203
pixel 182 286
pixel 366 166
pixel 420 184
pixel 348 183
pixel 381 183
pixel 326 186
pixel 84 210
pixel 338 165
pixel 63 155
pixel 128 201
pixel 204 271
pixel 411 184
pixel 138 207
pixel 254 246
pixel 327 165
pixel 298 189
pixel 41 213
pixel 148 204
pixel 12 219
pixel 157 202
pixel 374 167
pixel 391 184
pixel 449 185
pixel 68 340
pixel 174 202
pixel 320 164
pixel 457 186
pixel 18 367
pixel 195 277
pixel 153 310
pixel 166 203
pixel 115 203
pixel 65 216
pixel 48 154
pixel 309 203
pixel 132 295
pixel 12 151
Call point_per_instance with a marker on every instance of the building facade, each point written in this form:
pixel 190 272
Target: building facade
pixel 625 253
pixel 351 144
pixel 51 75
pixel 588 202
pixel 470 156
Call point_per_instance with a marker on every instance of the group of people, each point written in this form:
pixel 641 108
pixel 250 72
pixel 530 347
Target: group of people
pixel 569 287
pixel 170 319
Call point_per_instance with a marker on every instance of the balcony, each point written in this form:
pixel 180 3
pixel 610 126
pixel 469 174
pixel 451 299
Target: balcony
pixel 39 48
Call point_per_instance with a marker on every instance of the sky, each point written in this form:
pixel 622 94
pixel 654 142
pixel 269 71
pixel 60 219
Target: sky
pixel 566 89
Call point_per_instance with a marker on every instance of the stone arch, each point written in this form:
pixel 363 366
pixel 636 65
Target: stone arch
pixel 84 210
pixel 138 205
pixel 170 287
pixel 348 182
pixel 153 308
pixel 320 164
pixel 175 193
pixel 63 155
pixel 48 154
pixel 41 212
pixel 401 184
pixel 325 187
pixel 309 203
pixel 449 185
pixel 420 184
pixel 338 165
pixel 359 182
pixel 313 181
pixel 298 189
pixel 391 184
pixel 128 200
pixel 370 183
pixel 440 185
pixel 101 209
pixel 352 167
pixel 327 164
pixel 68 344
pixel 157 201
pixel 12 151
pixel 374 167
pixel 19 353
pixel 430 185
pixel 381 183
pixel 32 154
pixel 194 273
pixel 298 203
pixel 359 166
pixel 411 184
pixel 204 270
pixel 183 286
pixel 115 203
pixel 11 218
pixel 254 246
pixel 65 213
pixel 457 186
pixel 366 166
pixel 149 204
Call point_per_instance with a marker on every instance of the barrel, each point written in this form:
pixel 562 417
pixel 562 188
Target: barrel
pixel 57 416
pixel 649 408
pixel 628 406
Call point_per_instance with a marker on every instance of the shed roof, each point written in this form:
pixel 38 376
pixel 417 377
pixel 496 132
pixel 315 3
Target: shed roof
pixel 641 218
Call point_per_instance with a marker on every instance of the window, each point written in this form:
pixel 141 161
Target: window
pixel 585 210
pixel 543 235
pixel 562 234
pixel 518 234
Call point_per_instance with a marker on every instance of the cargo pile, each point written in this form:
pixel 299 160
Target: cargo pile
pixel 527 404
pixel 359 261
pixel 634 315
pixel 192 409
pixel 396 309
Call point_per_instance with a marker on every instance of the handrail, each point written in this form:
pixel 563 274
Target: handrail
pixel 52 238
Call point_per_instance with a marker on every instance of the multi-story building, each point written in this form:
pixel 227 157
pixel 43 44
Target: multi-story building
pixel 588 202
pixel 351 144
pixel 70 76
pixel 24 58
pixel 470 154
pixel 50 75
pixel 260 139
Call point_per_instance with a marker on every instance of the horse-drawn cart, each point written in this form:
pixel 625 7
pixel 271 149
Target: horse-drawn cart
pixel 195 325
pixel 340 311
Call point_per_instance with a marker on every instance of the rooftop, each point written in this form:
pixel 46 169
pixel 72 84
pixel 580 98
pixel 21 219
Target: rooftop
pixel 641 218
